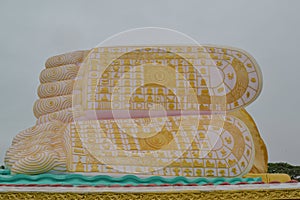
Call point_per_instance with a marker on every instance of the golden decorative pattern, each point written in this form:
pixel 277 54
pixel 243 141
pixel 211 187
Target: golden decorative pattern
pixel 53 89
pixel 65 59
pixel 52 104
pixel 59 73
pixel 38 129
pixel 103 146
pixel 49 139
pixel 152 79
pixel 64 116
pixel 261 155
pixel 191 195
pixel 38 154
pixel 221 78
pixel 38 163
pixel 20 154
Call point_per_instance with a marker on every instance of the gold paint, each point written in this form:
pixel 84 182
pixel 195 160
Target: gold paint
pixel 64 67
pixel 263 194
pixel 267 177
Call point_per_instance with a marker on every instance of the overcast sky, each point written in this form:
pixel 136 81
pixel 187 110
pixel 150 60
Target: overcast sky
pixel 33 30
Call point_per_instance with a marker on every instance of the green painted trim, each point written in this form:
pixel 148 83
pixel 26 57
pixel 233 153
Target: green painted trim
pixel 4 171
pixel 78 179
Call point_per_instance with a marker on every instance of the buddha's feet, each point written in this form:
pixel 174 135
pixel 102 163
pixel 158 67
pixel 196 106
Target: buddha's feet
pixel 222 79
pixel 219 146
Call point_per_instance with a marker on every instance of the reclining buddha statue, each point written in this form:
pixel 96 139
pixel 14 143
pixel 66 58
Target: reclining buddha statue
pixel 144 110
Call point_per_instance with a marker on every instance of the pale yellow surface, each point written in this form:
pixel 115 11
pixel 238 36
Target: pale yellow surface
pixel 267 178
pixel 60 143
